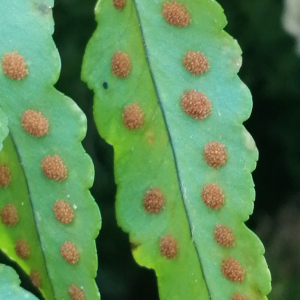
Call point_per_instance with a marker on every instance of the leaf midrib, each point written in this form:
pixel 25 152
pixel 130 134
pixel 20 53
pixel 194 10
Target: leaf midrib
pixel 32 206
pixel 170 139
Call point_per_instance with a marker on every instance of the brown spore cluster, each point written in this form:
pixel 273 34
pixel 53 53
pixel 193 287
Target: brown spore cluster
pixel 224 236
pixel 195 62
pixel 54 168
pixel 133 116
pixel 215 154
pixel 212 196
pixel 168 246
pixel 238 296
pixel 175 14
pixel 153 201
pixel 63 211
pixel 5 176
pixel 196 105
pixel 9 215
pixel 14 66
pixel 119 4
pixel 69 252
pixel 35 123
pixel 232 270
pixel 22 249
pixel 36 278
pixel 76 293
pixel 120 64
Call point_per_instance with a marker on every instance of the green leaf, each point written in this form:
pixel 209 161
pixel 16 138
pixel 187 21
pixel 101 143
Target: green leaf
pixel 29 201
pixel 165 150
pixel 9 285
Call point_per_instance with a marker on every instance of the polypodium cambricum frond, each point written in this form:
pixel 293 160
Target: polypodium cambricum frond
pixel 168 98
pixel 9 285
pixel 48 218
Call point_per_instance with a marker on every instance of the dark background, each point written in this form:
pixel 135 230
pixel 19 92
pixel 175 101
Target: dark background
pixel 271 69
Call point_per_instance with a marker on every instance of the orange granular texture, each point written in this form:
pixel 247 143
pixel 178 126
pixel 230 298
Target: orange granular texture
pixel 232 270
pixel 237 296
pixel 5 176
pixel 69 252
pixel 175 14
pixel 36 278
pixel 195 62
pixel 212 196
pixel 35 123
pixel 14 66
pixel 133 116
pixel 22 249
pixel 119 4
pixel 168 246
pixel 215 154
pixel 76 293
pixel 120 64
pixel 154 201
pixel 63 211
pixel 9 215
pixel 196 105
pixel 224 236
pixel 54 168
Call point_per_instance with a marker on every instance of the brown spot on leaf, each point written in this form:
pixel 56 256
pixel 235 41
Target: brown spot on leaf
pixel 237 296
pixel 69 252
pixel 196 105
pixel 76 293
pixel 175 14
pixel 215 154
pixel 35 123
pixel 9 215
pixel 154 201
pixel 120 64
pixel 232 270
pixel 14 66
pixel 133 116
pixel 224 236
pixel 36 278
pixel 195 62
pixel 119 4
pixel 212 196
pixel 22 249
pixel 63 211
pixel 168 246
pixel 5 176
pixel 54 168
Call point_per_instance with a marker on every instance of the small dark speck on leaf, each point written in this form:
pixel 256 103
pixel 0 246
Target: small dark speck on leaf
pixel 105 85
pixel 134 246
pixel 43 8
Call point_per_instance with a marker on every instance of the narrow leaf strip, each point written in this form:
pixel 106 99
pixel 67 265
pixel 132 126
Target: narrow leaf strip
pixel 168 99
pixel 48 218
